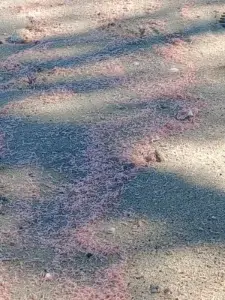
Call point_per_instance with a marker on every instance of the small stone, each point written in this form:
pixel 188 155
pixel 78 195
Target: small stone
pixel 174 70
pixel 167 291
pixel 185 114
pixel 48 276
pixel 111 230
pixel 136 63
pixel 214 218
pixel 159 156
pixel 154 289
pixel 89 255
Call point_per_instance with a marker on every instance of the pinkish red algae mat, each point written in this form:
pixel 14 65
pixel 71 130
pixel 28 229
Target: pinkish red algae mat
pixel 111 152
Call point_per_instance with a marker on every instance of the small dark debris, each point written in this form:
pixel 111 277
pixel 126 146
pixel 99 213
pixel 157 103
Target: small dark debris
pixel 128 166
pixel 3 200
pixel 222 20
pixel 159 156
pixel 31 79
pixel 89 255
pixel 167 291
pixel 148 158
pixel 139 277
pixel 157 247
pixel 142 31
pixel 154 289
pixel 164 106
pixel 111 24
pixel 1 42
pixel 121 107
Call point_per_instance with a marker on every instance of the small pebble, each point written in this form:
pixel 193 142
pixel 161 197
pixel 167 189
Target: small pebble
pixel 185 114
pixel 111 230
pixel 48 276
pixel 174 70
pixel 154 289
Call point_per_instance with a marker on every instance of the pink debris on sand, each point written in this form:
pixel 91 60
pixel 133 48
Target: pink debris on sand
pixel 4 290
pixel 88 241
pixel 110 285
pixel 185 10
pixel 175 50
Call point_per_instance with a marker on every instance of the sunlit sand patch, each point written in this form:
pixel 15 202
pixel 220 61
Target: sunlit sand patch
pixel 22 183
pixel 143 153
pixel 207 57
pixel 149 84
pixel 133 28
pixel 177 49
pixel 109 70
pixel 44 53
pixel 175 270
pixel 4 287
pixel 120 9
pixel 208 13
pixel 47 104
pixel 197 162
pixel 52 19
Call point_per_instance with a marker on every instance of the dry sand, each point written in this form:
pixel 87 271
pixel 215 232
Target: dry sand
pixel 88 91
